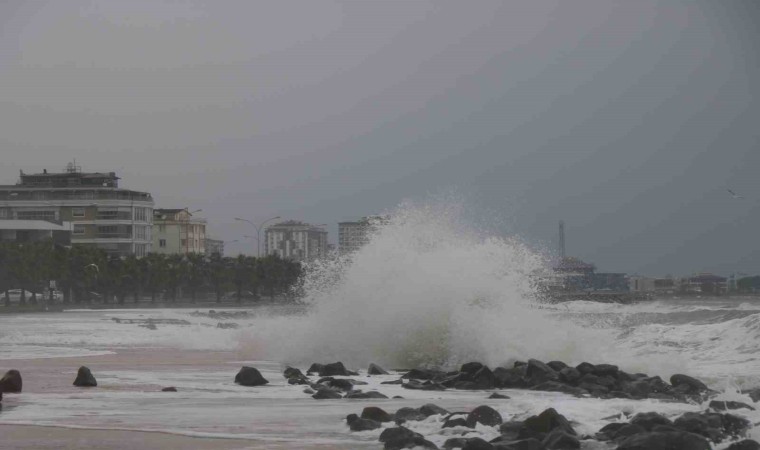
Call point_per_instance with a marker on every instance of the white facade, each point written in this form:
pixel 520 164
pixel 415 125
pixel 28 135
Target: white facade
pixel 295 240
pixel 176 231
pixel 353 235
pixel 96 211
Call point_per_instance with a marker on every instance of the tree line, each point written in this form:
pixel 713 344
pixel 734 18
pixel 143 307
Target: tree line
pixel 85 274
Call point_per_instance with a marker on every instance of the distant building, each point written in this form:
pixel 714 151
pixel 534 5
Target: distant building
pixel 214 246
pixel 638 283
pixel 706 283
pixel 97 212
pixel 353 235
pixel 176 231
pixel 575 274
pixel 617 282
pixel 295 240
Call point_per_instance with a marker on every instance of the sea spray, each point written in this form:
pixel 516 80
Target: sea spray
pixel 427 289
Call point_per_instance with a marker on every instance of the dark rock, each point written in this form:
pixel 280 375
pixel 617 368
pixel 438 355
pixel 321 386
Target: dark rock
pixel 569 375
pixel 169 389
pixel 326 393
pixel 333 369
pixel 754 394
pixel 376 414
pixel 546 422
pixel 477 443
pixel 560 440
pixel 250 376
pixel 429 409
pixel 85 378
pixel 365 395
pixel 409 442
pixel 746 444
pixel 648 420
pixel 454 443
pixel 585 368
pixel 602 370
pixel 337 383
pixel 374 369
pixel 594 389
pixel 557 365
pixel 734 425
pixel 404 414
pixel 390 434
pixel 496 395
pixel 720 405
pixel 308 391
pixel 628 429
pixel 455 422
pixel 364 425
pixel 484 415
pixel 510 378
pixel 664 441
pixel 292 372
pixel 424 374
pixel 11 381
pixel 694 384
pixel 399 381
pixel 315 368
pixel 510 431
pixel 471 367
pixel 484 378
pixel 538 372
pixel 351 418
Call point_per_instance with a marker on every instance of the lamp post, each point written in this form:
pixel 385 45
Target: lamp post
pixel 258 231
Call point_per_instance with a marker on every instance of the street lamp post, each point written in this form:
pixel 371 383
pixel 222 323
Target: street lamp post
pixel 258 231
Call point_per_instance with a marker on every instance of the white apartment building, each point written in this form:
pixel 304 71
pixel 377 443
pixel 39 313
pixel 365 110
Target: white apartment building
pixel 93 207
pixel 176 231
pixel 295 240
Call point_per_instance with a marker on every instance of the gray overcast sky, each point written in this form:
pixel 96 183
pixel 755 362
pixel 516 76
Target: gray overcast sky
pixel 627 119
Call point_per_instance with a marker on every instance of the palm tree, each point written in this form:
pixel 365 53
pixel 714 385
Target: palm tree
pixel 218 274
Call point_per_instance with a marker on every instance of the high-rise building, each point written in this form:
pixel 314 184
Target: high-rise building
pixel 176 231
pixel 353 235
pixel 295 240
pixel 97 212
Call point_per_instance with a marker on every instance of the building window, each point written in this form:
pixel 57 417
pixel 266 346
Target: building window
pixel 140 250
pixel 140 214
pixel 162 243
pixel 77 212
pixel 36 215
pixel 78 229
pixel 140 232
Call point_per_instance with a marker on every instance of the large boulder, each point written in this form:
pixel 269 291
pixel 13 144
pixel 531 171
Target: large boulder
pixel 569 375
pixel 560 440
pixel 693 384
pixel 326 393
pixel 333 369
pixel 11 381
pixel 669 440
pixel 406 413
pixel 723 405
pixel 376 414
pixel 471 367
pixel 364 425
pixel 85 378
pixel 538 372
pixel 544 423
pixel 484 415
pixel 250 376
pixel 649 420
pixel 430 409
pixel 390 434
pixel 366 395
pixel 374 369
pixel 510 378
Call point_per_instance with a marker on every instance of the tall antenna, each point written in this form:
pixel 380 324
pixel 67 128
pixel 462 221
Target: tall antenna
pixel 562 239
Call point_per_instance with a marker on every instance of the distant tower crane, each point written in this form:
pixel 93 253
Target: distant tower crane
pixel 561 240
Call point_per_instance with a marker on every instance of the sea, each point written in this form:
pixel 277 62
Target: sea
pixel 429 290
